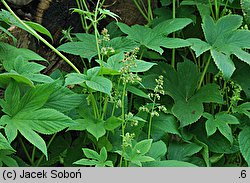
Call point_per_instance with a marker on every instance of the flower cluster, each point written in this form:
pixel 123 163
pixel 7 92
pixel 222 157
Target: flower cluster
pixel 127 139
pixel 130 117
pixel 128 63
pixel 105 38
pixel 156 95
pixel 236 89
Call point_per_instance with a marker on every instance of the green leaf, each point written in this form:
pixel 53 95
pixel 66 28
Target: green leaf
pixel 199 46
pixel 243 109
pixel 157 150
pixel 33 138
pixel 244 143
pixel 187 112
pixel 75 78
pixel 245 6
pixel 122 44
pixel 91 154
pixel 36 97
pixel 103 155
pixel 86 162
pixel 156 37
pixel 137 91
pixel 8 55
pixel 112 123
pixel 4 144
pixel 164 124
pixel 6 77
pixel 143 146
pixel 39 28
pixel 220 122
pixel 182 87
pixel 172 25
pixel 63 99
pixel 94 126
pixel 182 152
pixel 223 62
pixel 6 159
pixel 12 98
pixel 100 83
pixel 85 48
pixel 45 121
pixel 168 163
pixel 224 39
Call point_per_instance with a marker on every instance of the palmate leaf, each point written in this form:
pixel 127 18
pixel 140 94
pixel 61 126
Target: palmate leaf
pixel 29 118
pixel 223 38
pixel 155 38
pixel 182 85
pixel 221 122
pixel 45 121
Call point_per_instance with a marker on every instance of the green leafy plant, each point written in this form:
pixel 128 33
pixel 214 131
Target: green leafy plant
pixel 147 95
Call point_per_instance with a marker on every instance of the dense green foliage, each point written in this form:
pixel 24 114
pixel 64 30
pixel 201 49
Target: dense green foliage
pixel 174 92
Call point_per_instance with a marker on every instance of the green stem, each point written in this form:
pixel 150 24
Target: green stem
pixel 204 73
pixel 173 50
pixel 25 151
pixel 95 22
pixel 33 153
pixel 105 107
pixel 42 156
pixel 150 13
pixel 34 33
pixel 123 121
pixel 150 119
pixel 216 4
pixel 141 11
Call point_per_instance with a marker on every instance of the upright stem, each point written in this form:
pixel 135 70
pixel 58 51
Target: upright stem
pixel 123 121
pixel 173 50
pixel 141 11
pixel 51 140
pixel 34 33
pixel 150 119
pixel 204 72
pixel 25 150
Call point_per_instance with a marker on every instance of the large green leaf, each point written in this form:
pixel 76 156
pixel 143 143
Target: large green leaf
pixel 155 38
pixel 45 121
pixel 224 39
pixel 244 143
pixel 182 86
